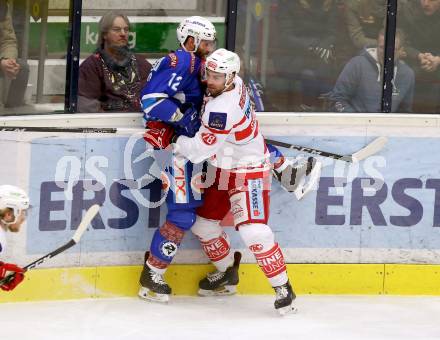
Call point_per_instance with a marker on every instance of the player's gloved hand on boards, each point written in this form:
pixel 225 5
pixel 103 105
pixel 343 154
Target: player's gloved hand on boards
pixel 159 134
pixel 7 269
pixel 190 123
pixel 292 174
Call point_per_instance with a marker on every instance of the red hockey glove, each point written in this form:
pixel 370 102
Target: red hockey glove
pixel 5 270
pixel 159 134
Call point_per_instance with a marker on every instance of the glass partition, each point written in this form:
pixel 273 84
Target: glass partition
pixel 297 55
pixel 305 53
pixel 121 41
pixel 34 41
pixel 419 24
pixel 33 45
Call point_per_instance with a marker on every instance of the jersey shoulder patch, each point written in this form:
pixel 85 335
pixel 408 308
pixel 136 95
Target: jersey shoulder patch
pixel 217 120
pixel 173 60
pixel 181 60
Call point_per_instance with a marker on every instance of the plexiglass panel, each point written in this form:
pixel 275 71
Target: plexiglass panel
pixel 121 41
pixel 33 45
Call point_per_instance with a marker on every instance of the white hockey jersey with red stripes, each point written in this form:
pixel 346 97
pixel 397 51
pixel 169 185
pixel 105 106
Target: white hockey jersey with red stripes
pixel 229 137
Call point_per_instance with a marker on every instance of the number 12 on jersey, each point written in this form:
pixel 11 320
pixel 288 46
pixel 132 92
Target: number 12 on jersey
pixel 174 81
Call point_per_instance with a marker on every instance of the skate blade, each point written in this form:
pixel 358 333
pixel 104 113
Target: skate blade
pixel 221 291
pixel 287 310
pixel 146 294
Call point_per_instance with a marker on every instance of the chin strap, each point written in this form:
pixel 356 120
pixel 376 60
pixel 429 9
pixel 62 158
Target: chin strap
pixel 196 45
pixel 231 79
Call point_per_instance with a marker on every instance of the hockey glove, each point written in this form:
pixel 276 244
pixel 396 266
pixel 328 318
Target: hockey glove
pixel 159 134
pixel 190 123
pixel 299 175
pixel 8 269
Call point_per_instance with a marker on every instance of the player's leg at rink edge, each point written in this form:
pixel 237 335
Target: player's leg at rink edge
pixel 166 240
pixel 255 233
pixel 260 239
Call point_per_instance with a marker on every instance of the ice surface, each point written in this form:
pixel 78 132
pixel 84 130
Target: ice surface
pixel 226 318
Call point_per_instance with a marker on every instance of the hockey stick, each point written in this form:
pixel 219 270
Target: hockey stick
pixel 365 152
pixel 88 217
pixel 57 129
pixel 372 148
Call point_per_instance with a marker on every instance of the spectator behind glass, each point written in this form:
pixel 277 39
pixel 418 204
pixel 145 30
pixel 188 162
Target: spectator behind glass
pixel 13 72
pixel 420 20
pixel 359 86
pixel 18 15
pixel 112 78
pixel 364 20
pixel 303 47
pixel 361 21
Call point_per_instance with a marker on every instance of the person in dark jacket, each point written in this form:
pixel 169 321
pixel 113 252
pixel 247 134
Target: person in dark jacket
pixel 303 50
pixel 358 27
pixel 111 79
pixel 420 20
pixel 359 86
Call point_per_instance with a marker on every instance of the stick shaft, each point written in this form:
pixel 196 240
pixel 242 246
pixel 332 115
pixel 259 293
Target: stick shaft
pixel 41 260
pixel 46 257
pixel 372 148
pixel 312 151
pixel 88 217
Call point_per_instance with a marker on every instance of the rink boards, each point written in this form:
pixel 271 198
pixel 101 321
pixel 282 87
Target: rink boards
pixel 369 228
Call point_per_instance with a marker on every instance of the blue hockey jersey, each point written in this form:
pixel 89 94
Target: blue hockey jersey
pixel 173 85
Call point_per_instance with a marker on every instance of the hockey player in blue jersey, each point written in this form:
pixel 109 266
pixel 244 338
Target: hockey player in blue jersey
pixel 173 95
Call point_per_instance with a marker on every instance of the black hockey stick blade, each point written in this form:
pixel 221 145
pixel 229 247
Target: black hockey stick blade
pixel 88 217
pixel 57 129
pixel 372 148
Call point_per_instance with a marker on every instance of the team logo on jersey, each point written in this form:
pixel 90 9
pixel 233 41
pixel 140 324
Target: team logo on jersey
pixel 169 249
pixel 217 120
pixel 173 59
pixel 209 138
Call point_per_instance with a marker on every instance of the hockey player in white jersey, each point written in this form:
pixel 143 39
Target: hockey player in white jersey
pixel 238 179
pixel 13 205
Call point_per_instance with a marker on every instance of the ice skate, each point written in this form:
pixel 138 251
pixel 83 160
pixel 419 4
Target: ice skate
pixel 221 283
pixel 153 287
pixel 284 299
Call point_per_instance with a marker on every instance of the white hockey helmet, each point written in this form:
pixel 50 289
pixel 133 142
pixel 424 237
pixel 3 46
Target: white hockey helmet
pixel 223 61
pixel 14 198
pixel 197 27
